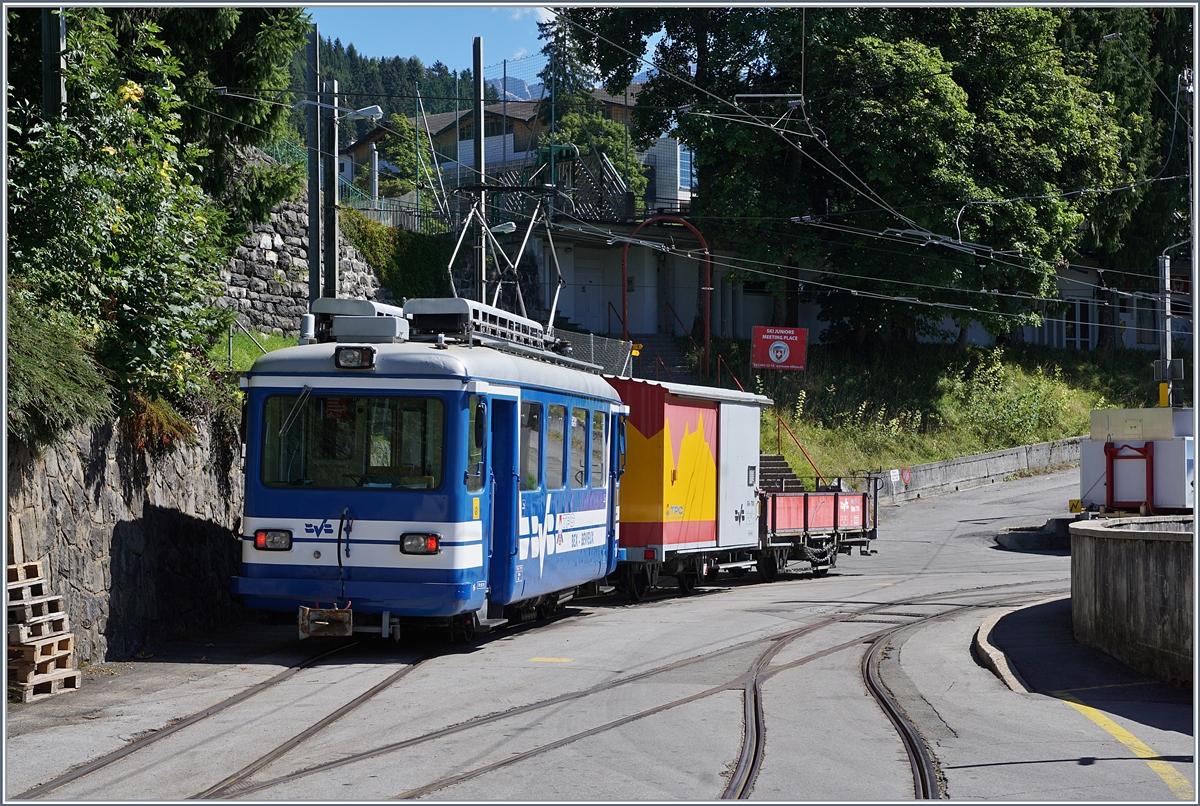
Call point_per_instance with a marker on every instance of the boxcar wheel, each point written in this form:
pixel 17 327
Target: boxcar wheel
pixel 768 567
pixel 637 583
pixel 687 581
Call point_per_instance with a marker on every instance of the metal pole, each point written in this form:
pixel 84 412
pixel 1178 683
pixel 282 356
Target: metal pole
pixel 313 113
pixel 374 173
pixel 54 62
pixel 1164 346
pixel 481 175
pixel 504 114
pixel 331 191
pixel 417 150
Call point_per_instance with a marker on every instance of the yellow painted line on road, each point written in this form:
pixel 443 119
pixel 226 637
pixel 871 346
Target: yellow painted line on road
pixel 1180 787
pixel 549 660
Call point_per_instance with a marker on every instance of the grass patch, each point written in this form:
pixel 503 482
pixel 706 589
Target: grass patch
pixel 245 352
pixel 857 408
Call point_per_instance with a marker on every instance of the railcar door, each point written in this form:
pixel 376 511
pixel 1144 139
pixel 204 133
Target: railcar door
pixel 503 540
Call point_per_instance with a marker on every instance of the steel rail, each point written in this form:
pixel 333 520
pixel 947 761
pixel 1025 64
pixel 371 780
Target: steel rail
pixel 925 783
pixel 227 786
pixel 777 640
pixel 133 747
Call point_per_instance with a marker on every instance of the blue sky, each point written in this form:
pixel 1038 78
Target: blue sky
pixel 434 32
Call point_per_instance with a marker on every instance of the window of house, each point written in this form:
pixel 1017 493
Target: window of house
pixel 687 170
pixel 1147 321
pixel 1077 325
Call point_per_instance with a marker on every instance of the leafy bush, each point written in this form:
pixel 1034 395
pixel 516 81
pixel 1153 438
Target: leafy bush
pixel 1001 409
pixel 409 264
pixel 53 382
pixel 106 222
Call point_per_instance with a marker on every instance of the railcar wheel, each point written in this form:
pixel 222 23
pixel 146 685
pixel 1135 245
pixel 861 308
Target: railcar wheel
pixel 687 581
pixel 711 575
pixel 820 571
pixel 637 583
pixel 768 567
pixel 548 607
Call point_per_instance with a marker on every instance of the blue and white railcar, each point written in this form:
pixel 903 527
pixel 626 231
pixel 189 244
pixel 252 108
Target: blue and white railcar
pixel 439 480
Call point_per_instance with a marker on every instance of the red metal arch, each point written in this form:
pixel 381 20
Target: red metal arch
pixel 707 281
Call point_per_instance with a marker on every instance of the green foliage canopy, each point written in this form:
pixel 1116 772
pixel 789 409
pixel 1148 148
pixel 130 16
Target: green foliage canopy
pixel 917 127
pixel 106 222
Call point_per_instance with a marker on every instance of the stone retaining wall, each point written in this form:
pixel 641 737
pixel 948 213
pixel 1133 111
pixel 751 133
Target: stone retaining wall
pixel 266 282
pixel 1131 592
pixel 975 471
pixel 141 548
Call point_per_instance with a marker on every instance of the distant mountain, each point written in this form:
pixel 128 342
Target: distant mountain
pixel 516 89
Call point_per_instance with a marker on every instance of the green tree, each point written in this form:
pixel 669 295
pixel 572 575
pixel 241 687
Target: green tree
pixel 247 51
pixel 106 224
pixel 592 134
pixel 402 147
pixel 947 127
pixel 571 113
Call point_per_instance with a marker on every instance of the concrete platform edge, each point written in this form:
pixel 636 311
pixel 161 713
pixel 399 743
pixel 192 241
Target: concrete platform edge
pixel 993 657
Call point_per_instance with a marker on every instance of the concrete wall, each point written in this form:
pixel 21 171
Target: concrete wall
pixel 974 471
pixel 1131 592
pixel 142 548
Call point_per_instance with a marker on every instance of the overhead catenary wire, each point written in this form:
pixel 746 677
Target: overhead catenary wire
pixel 738 264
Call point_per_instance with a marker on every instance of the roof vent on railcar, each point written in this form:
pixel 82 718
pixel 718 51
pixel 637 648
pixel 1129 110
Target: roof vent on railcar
pixel 463 318
pixel 357 321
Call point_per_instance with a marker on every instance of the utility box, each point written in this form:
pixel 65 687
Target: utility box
pixel 1139 459
pixel 1140 424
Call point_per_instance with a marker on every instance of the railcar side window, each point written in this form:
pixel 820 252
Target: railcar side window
pixel 598 479
pixel 475 471
pixel 337 441
pixel 531 445
pixel 556 447
pixel 579 454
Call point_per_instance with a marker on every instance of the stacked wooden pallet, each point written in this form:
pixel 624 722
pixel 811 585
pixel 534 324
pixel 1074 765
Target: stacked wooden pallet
pixel 41 648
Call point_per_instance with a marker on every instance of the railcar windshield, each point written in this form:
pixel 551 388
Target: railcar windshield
pixel 340 441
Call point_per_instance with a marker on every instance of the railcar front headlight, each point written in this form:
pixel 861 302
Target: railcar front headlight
pixel 354 357
pixel 273 540
pixel 420 543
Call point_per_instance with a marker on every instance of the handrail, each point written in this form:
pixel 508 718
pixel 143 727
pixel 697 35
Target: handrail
pixel 661 363
pixel 779 446
pixel 721 360
pixel 611 310
pixel 687 332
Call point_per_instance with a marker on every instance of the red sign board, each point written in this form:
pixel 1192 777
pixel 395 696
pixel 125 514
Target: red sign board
pixel 779 348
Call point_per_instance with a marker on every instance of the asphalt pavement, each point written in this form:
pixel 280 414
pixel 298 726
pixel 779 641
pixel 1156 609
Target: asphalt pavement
pixel 1081 705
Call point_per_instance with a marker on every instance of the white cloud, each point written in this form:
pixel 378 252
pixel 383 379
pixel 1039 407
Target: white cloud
pixel 520 52
pixel 543 14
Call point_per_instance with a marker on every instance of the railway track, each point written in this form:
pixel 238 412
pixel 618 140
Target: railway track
pixel 750 682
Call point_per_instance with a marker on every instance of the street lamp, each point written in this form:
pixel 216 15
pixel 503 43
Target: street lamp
pixel 374 112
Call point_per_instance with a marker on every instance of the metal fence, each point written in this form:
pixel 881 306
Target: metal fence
pixel 397 214
pixel 612 355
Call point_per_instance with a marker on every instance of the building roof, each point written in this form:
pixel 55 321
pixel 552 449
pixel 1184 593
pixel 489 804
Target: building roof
pixel 517 110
